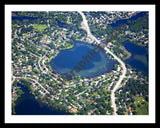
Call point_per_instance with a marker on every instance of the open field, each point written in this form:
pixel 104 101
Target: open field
pixel 141 106
pixel 39 27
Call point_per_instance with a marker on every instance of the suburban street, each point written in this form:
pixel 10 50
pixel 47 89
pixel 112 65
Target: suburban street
pixel 31 79
pixel 115 57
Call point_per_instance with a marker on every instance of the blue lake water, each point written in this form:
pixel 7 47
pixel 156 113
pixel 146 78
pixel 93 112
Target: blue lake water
pixel 124 21
pixel 28 105
pixel 21 18
pixel 97 64
pixel 139 58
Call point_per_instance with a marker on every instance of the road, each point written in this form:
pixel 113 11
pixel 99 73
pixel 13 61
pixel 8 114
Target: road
pixel 40 64
pixel 31 79
pixel 85 22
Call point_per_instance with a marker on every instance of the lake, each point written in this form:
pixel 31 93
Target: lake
pixel 28 105
pixel 124 21
pixel 22 18
pixel 139 58
pixel 95 65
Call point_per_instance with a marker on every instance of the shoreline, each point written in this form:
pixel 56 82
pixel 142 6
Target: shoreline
pixel 58 51
pixel 41 103
pixel 126 51
pixel 124 70
pixel 52 57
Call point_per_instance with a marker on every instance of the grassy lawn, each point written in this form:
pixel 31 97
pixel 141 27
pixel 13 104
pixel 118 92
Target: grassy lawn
pixel 141 106
pixel 26 34
pixel 125 50
pixel 142 110
pixel 40 27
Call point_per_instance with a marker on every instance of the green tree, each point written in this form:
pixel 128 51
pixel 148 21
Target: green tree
pixel 19 91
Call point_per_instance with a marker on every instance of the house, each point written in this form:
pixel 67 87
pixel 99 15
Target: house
pixel 99 84
pixel 46 57
pixel 86 94
pixel 147 82
pixel 127 32
pixel 69 107
pixel 127 99
pixel 73 110
pixel 93 90
pixel 130 111
pixel 111 73
pixel 108 89
pixel 99 96
pixel 103 76
pixel 14 89
pixel 88 100
pixel 52 50
pixel 96 82
pixel 95 102
pixel 90 79
pixel 85 79
pixel 121 55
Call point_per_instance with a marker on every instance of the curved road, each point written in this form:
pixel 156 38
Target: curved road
pixel 119 60
pixel 31 79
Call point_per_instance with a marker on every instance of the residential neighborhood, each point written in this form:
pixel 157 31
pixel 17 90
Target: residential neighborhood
pixel 35 43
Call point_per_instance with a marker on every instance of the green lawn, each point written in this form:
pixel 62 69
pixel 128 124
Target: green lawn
pixel 141 106
pixel 142 110
pixel 40 27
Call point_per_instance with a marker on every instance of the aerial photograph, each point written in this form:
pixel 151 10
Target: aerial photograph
pixel 79 63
